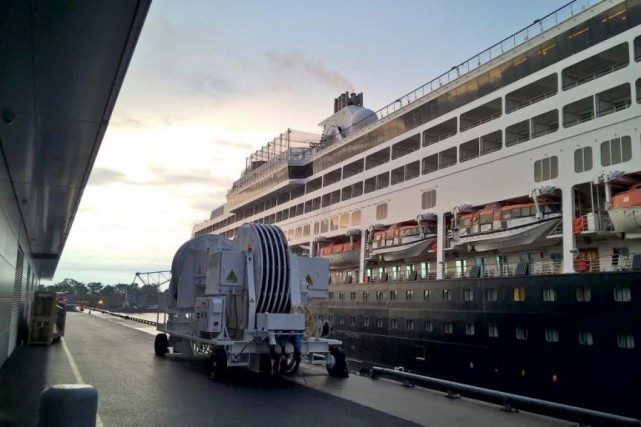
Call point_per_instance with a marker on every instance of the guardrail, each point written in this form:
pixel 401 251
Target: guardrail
pixel 124 316
pixel 512 402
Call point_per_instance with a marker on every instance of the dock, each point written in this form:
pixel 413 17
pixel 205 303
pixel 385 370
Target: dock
pixel 137 388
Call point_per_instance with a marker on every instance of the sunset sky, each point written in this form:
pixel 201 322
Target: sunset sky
pixel 212 81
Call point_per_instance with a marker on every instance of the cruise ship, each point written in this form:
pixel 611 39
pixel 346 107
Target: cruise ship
pixel 486 227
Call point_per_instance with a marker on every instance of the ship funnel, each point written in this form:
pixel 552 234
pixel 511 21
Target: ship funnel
pixel 345 99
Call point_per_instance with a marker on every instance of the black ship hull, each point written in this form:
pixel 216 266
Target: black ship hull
pixel 571 339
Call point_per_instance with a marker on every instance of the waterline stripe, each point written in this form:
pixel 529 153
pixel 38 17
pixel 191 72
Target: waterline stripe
pixel 76 374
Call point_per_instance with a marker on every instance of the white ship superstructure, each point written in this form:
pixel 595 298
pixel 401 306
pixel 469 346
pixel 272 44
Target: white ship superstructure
pixel 539 131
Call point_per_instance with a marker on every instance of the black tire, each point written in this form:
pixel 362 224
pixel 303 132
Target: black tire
pixel 218 360
pixel 264 364
pixel 289 364
pixel 161 345
pixel 337 363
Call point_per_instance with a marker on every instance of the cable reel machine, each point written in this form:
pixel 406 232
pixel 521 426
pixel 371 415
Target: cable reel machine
pixel 245 302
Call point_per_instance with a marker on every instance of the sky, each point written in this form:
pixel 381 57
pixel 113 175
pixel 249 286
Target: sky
pixel 212 81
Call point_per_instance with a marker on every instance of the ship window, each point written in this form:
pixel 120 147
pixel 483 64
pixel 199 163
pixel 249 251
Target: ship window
pixel 393 323
pixel 379 322
pixel 412 170
pixel 428 325
pixel 551 335
pixel 409 295
pixel 382 181
pixel 320 317
pixel 365 295
pixel 398 175
pixel 577 112
pixel 366 321
pixel 469 150
pixel 545 123
pixel 331 295
pixel 491 294
pixel 491 142
pixel 531 93
pixel 519 294
pixel 330 318
pixel 316 228
pixel 447 295
pixel 313 185
pixel 306 230
pixel 481 114
pixel 583 159
pixel 440 132
pixel 341 320
pixel 353 168
pixel 331 177
pixel 596 66
pixel 352 320
pixel 352 295
pixel 290 234
pixel 615 151
pixel 427 294
pixel 468 294
pixel 370 184
pixel 341 295
pixel 335 197
pixel 469 328
pixel 585 338
pixel 419 353
pixel 327 200
pixel 517 133
pixel 430 164
pixel 357 189
pixel 448 328
pixel 546 169
pixel 393 295
pixel 486 218
pixel 409 324
pixel 622 294
pixel 356 218
pixel 493 330
pixel 381 211
pixel 583 294
pixel 406 146
pixel 428 199
pixel 334 224
pixel 612 100
pixel 447 158
pixel 625 341
pixel 549 294
pixel 638 91
pixel 637 49
pixel 379 295
pixel 377 158
pixel 521 333
pixel 344 220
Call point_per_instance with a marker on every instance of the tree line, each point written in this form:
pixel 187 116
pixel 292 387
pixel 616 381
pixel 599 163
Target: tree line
pixel 94 292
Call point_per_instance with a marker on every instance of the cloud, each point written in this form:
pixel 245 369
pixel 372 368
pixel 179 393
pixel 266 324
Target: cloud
pixel 122 119
pixel 102 176
pixel 293 62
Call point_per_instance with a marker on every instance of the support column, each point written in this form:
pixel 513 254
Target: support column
pixel 361 264
pixel 440 245
pixel 569 241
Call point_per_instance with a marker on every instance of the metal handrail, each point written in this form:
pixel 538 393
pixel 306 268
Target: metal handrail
pixel 511 401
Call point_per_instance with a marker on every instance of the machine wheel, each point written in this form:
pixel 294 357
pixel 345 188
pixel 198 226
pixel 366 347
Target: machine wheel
pixel 289 364
pixel 161 345
pixel 218 360
pixel 337 363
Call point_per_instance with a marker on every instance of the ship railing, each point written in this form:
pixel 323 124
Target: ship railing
pixel 439 138
pixel 552 129
pixel 511 402
pixel 404 152
pixel 616 107
pixel 596 75
pixel 506 45
pixel 481 121
pixel 531 101
pixel 582 119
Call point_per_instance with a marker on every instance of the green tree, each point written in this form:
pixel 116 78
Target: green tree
pixel 108 291
pixel 94 287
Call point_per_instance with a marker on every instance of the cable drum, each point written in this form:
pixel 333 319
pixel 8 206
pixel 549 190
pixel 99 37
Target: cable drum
pixel 271 265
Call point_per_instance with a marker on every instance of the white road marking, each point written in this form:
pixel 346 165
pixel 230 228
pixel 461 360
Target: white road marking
pixel 76 374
